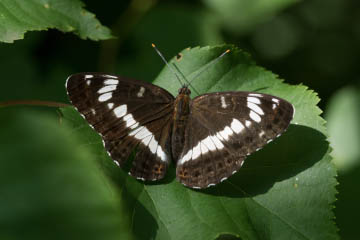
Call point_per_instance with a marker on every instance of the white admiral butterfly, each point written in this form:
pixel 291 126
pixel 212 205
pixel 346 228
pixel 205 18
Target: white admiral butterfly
pixel 207 137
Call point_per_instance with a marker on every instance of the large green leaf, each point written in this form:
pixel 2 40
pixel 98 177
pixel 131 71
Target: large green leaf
pixel 20 16
pixel 50 188
pixel 284 191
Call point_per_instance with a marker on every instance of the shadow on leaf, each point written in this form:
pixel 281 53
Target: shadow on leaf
pixel 295 151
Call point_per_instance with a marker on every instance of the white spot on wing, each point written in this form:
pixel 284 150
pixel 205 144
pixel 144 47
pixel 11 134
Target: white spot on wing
pixel 223 179
pixel 255 95
pixel 203 148
pixel 186 157
pixel 226 133
pixel 110 105
pixel 261 133
pixel 141 92
pixel 107 88
pixel 275 100
pixel 144 132
pixel 237 126
pixel 153 145
pixel 111 82
pixel 255 108
pixel 247 123
pixel 161 154
pixel 274 105
pixel 109 76
pixel 196 151
pixel 120 111
pixel 147 140
pixel 89 76
pixel 140 178
pixel 88 82
pixel 254 116
pixel 223 103
pixel 104 97
pixel 129 120
pixel 134 132
pixel 93 111
pixel 253 100
pixel 134 125
pixel 209 143
pixel 217 142
pixel 219 136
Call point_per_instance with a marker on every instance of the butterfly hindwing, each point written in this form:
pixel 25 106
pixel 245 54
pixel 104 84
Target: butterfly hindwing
pixel 223 129
pixel 128 114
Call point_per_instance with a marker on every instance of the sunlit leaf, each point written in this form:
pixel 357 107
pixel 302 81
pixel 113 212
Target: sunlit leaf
pixel 19 16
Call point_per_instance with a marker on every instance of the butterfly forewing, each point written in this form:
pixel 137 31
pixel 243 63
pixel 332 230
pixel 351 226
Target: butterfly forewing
pixel 128 114
pixel 223 129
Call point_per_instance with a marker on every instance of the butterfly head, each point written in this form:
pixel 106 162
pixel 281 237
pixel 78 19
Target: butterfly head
pixel 184 90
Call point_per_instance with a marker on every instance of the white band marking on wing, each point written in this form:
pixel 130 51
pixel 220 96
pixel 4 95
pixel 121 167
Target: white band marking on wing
pixel 237 126
pixel 120 111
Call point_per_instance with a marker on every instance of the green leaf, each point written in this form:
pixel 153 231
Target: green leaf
pixel 51 187
pixel 343 116
pixel 283 191
pixel 19 16
pixel 242 15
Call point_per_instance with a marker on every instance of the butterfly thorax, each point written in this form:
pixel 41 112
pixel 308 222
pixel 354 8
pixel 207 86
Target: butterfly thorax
pixel 180 118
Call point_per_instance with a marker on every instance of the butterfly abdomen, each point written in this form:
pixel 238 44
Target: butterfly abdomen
pixel 180 118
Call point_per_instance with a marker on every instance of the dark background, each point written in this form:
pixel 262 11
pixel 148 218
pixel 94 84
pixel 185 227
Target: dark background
pixel 315 43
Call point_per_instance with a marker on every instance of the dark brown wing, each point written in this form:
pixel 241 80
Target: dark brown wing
pixel 128 114
pixel 223 129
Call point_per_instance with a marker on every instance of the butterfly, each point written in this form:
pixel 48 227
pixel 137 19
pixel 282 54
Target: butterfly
pixel 207 137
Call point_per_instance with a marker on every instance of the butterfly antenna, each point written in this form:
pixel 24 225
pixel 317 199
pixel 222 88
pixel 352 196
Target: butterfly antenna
pixel 183 76
pixel 167 64
pixel 210 64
